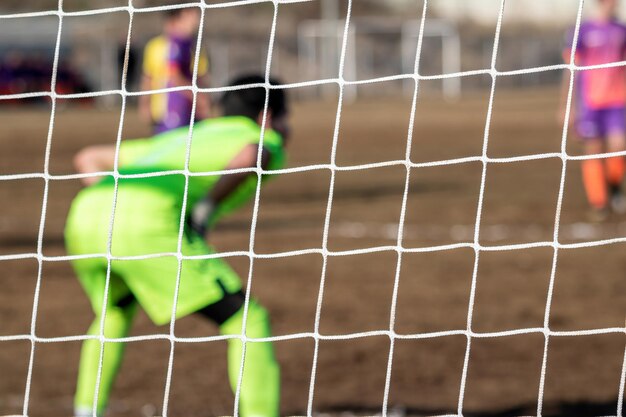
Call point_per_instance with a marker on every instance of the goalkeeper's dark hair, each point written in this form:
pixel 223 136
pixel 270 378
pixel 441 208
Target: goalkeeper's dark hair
pixel 250 101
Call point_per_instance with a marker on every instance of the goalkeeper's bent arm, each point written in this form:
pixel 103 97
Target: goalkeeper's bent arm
pixel 227 184
pixel 99 158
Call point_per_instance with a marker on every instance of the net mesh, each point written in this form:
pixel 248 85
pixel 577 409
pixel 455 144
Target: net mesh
pixel 333 168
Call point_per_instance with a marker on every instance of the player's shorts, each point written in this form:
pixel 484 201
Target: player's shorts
pixel 138 233
pixel 599 123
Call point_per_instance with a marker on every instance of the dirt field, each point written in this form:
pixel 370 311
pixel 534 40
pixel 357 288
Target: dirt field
pixel 520 203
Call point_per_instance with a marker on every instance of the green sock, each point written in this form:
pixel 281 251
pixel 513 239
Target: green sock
pixel 260 388
pixel 117 325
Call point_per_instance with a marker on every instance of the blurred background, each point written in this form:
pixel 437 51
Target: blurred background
pixel 382 40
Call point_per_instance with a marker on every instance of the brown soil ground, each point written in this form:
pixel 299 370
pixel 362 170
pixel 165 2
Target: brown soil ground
pixel 583 372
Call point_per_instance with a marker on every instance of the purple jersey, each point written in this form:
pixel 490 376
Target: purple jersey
pixel 601 43
pixel 167 59
pixel 600 93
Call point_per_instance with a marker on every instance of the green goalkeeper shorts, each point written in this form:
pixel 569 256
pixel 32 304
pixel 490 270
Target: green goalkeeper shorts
pixel 143 228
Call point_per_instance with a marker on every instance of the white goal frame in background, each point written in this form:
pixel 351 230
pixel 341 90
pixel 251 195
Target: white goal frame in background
pixel 319 46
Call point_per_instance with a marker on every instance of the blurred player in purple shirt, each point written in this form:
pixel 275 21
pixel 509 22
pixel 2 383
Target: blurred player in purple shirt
pixel 599 107
pixel 169 61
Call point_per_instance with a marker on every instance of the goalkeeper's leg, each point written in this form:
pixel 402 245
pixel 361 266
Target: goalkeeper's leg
pixel 260 388
pixel 117 324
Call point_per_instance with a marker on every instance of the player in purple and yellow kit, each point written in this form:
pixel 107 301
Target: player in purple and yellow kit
pixel 599 107
pixel 168 62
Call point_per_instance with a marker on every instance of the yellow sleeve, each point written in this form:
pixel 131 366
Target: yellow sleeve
pixel 148 57
pixel 203 64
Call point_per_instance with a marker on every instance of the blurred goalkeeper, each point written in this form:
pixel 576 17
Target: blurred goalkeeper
pixel 168 62
pixel 600 107
pixel 147 220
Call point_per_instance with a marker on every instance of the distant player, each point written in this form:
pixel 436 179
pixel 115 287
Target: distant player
pixel 147 219
pixel 169 61
pixel 599 107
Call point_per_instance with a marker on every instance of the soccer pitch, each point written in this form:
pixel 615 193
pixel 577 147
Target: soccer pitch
pixel 435 280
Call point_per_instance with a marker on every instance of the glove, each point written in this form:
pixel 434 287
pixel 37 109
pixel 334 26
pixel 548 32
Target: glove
pixel 200 215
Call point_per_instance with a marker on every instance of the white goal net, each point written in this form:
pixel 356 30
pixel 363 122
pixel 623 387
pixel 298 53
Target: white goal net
pixel 347 79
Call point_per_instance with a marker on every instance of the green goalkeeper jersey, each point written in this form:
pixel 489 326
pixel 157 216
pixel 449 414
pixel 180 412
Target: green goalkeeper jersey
pixel 214 144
